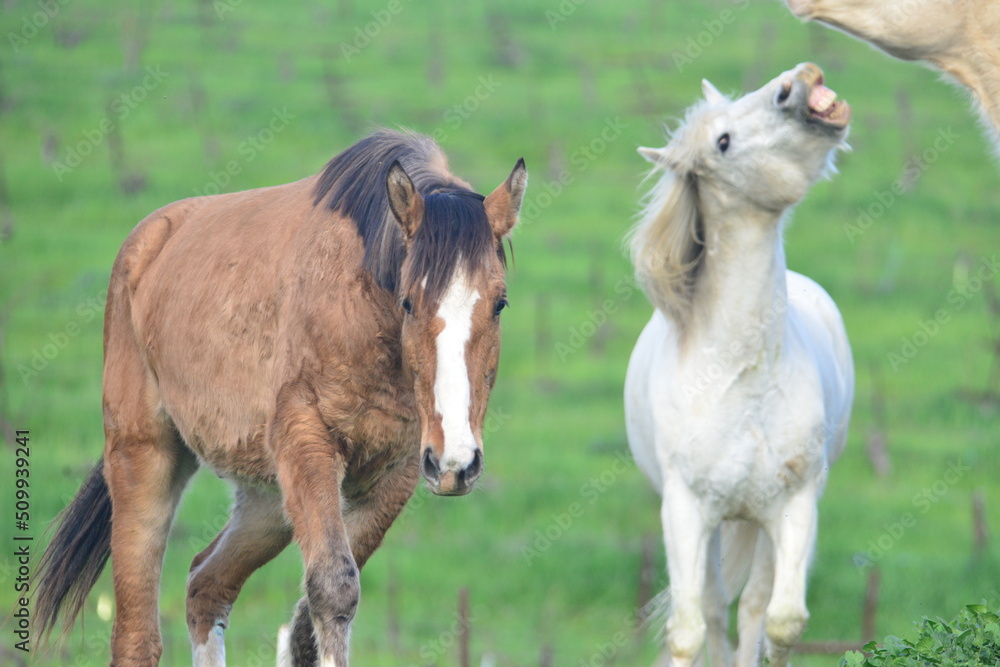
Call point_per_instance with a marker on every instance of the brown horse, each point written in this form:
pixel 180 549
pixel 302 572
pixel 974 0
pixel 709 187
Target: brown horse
pixel 320 344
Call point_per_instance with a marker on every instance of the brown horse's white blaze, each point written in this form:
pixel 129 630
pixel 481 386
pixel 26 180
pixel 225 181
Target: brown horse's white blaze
pixel 458 462
pixel 452 346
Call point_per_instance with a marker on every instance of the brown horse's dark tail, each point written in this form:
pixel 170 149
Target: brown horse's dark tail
pixel 76 555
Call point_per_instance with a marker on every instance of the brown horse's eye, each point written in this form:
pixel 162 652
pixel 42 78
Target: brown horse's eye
pixel 501 304
pixel 407 306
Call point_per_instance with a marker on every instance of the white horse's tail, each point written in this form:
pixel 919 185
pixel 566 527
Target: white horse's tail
pixel 739 541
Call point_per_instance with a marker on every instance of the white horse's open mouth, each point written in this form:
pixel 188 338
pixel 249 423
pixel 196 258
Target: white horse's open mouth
pixel 825 107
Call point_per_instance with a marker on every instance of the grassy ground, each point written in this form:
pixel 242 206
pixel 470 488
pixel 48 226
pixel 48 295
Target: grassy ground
pixel 109 111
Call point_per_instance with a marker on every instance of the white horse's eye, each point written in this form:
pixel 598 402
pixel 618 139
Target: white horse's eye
pixel 723 143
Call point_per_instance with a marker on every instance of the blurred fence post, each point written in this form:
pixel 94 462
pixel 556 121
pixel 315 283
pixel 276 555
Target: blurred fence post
pixel 464 629
pixel 904 120
pixel 6 216
pixel 647 577
pixel 6 427
pixel 392 610
pixel 876 446
pixel 546 659
pixel 543 333
pixel 980 531
pixel 871 605
pixel 868 613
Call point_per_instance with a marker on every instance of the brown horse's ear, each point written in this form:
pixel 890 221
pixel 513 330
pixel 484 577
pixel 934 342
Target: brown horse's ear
pixel 504 203
pixel 406 203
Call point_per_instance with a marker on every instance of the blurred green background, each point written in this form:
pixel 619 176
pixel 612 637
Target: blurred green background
pixel 110 110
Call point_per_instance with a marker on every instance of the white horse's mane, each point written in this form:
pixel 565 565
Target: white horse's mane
pixel 667 243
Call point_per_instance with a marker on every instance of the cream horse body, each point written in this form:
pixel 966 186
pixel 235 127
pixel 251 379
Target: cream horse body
pixel 739 389
pixel 958 37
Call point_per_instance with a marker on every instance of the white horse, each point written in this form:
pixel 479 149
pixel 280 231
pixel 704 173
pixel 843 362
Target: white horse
pixel 961 39
pixel 739 389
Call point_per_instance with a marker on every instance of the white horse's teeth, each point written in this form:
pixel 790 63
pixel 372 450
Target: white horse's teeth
pixel 821 98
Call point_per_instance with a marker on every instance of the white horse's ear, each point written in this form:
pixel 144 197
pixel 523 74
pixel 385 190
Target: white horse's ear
pixel 711 93
pixel 657 156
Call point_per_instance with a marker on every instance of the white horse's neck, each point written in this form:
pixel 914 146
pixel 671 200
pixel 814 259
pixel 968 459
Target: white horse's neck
pixel 741 298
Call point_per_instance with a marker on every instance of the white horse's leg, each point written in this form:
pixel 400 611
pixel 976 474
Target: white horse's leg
pixel 284 646
pixel 753 601
pixel 686 537
pixel 717 606
pixel 793 532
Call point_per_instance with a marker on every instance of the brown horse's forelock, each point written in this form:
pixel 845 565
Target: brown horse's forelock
pixel 455 233
pixel 455 227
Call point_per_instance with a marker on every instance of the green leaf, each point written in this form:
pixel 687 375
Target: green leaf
pixel 972 638
pixel 853 659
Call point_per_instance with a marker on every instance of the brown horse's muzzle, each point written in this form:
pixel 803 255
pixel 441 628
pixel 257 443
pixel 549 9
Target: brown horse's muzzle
pixel 450 482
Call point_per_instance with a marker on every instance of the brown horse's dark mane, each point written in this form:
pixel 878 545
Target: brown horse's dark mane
pixel 455 227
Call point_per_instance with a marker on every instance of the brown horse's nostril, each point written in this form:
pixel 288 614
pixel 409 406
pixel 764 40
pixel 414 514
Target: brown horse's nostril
pixel 447 481
pixel 429 466
pixel 474 469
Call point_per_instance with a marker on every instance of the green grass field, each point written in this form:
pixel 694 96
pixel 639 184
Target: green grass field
pixel 108 112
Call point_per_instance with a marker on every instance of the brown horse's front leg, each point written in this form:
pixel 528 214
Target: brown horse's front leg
pixel 311 464
pixel 367 522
